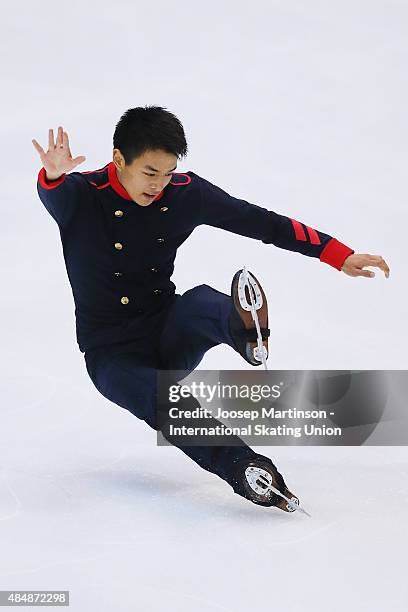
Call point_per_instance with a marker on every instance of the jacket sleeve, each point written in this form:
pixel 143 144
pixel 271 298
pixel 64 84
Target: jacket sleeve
pixel 219 209
pixel 61 197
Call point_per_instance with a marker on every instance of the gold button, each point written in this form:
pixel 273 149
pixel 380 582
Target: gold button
pixel 118 246
pixel 124 300
pixel 164 208
pixel 118 213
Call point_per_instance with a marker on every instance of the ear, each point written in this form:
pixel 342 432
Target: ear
pixel 118 159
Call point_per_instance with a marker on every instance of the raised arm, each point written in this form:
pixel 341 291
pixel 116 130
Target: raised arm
pixel 58 159
pixel 58 190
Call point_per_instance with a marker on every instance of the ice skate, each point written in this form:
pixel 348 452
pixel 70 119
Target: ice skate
pixel 261 483
pixel 249 318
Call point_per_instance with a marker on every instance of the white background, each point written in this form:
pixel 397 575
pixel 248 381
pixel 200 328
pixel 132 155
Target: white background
pixel 299 108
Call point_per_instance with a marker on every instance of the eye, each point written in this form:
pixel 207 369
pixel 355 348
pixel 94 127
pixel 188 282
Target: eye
pixel 147 174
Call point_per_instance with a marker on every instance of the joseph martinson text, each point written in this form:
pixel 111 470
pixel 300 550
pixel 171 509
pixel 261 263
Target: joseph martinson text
pixel 308 422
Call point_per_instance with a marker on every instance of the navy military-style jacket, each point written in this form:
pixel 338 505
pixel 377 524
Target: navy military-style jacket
pixel 120 255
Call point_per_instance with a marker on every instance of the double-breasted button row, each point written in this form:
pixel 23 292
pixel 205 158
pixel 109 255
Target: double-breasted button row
pixel 119 246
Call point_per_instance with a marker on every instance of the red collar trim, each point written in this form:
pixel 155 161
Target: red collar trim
pixel 114 181
pixel 119 188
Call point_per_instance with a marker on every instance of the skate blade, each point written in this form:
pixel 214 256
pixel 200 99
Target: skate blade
pixel 251 298
pixel 290 503
pixel 261 482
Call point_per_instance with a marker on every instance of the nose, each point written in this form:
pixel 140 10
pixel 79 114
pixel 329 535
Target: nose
pixel 158 187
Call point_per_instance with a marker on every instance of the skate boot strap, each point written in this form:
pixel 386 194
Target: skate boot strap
pixel 250 335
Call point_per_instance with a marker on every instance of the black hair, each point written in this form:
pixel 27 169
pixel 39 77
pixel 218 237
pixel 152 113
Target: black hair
pixel 147 128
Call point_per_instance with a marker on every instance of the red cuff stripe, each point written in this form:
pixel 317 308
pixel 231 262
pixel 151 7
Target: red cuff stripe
pixel 335 253
pixel 43 181
pixel 299 231
pixel 314 238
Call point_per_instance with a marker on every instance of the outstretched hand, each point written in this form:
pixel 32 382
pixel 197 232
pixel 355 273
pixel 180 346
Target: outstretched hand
pixel 354 264
pixel 58 159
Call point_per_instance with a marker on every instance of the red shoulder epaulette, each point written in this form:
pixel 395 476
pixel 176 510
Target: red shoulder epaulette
pixel 182 182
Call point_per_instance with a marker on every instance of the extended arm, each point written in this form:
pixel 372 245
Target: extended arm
pixel 220 209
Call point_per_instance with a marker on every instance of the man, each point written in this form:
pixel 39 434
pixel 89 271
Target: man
pixel 120 227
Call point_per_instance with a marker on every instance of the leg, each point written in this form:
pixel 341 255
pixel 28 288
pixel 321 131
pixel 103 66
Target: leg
pixel 197 321
pixel 200 319
pixel 203 317
pixel 129 380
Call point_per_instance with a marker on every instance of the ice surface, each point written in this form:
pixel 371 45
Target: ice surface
pixel 297 107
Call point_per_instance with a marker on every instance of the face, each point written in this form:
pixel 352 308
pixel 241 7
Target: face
pixel 147 175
